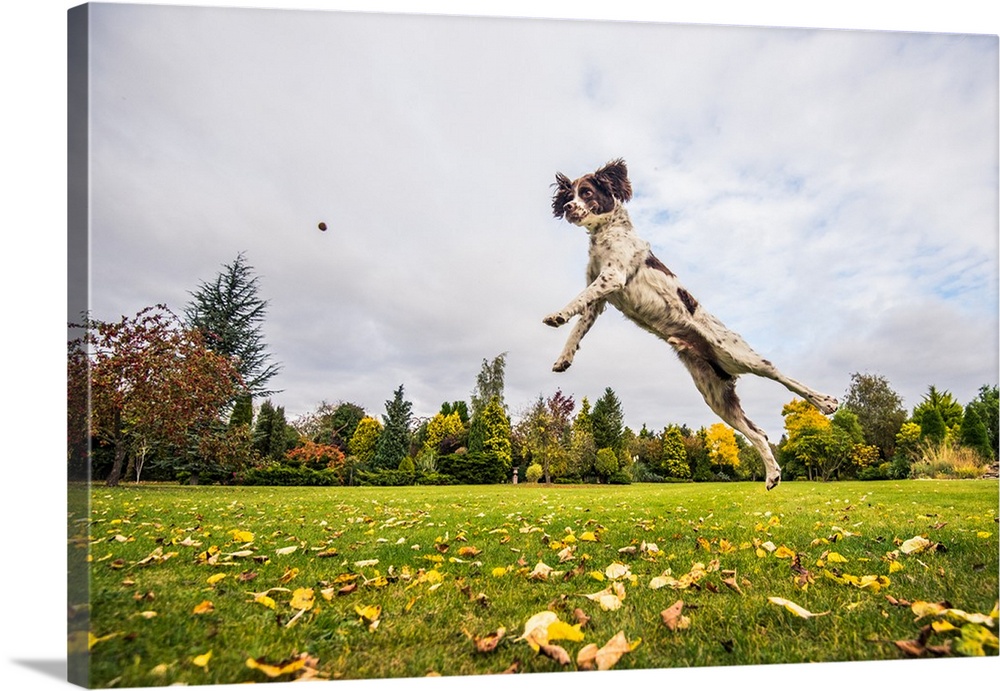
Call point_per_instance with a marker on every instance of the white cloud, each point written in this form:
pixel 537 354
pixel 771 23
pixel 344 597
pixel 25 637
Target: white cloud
pixel 829 194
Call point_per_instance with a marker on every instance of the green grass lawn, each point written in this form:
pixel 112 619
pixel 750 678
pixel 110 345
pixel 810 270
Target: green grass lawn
pixel 178 572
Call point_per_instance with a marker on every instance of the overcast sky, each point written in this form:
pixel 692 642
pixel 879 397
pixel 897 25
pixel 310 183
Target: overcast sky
pixel 830 195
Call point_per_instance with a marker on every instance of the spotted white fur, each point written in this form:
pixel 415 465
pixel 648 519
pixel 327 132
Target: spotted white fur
pixel 623 271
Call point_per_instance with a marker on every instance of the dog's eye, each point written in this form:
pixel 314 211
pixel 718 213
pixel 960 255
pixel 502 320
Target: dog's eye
pixel 585 192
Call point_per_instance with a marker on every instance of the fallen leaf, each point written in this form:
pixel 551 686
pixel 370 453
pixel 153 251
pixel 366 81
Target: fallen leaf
pixel 204 607
pixel 489 642
pixel 915 545
pixel 288 666
pixel 469 551
pixel 672 617
pixel 606 656
pixel 286 550
pixel 302 598
pixel 212 580
pixel 794 608
pixel 732 584
pixel 555 652
pixel 617 570
pixel 202 660
pixel 581 617
pixel 241 535
pixel 369 615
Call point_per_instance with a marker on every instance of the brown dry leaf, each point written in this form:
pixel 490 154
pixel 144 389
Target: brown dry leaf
pixel 468 551
pixel 587 657
pixel 514 668
pixel 489 642
pixel 672 617
pixel 612 651
pixel 555 652
pixel 581 617
pixel 732 584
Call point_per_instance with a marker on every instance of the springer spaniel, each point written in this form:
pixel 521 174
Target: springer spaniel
pixel 623 271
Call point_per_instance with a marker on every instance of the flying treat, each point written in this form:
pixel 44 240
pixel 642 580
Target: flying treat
pixel 322 226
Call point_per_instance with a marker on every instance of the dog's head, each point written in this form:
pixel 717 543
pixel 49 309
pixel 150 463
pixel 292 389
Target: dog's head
pixel 588 198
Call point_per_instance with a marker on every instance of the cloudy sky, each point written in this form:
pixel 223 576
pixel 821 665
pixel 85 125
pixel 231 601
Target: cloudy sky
pixel 830 195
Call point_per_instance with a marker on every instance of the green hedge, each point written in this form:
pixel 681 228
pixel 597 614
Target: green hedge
pixel 289 476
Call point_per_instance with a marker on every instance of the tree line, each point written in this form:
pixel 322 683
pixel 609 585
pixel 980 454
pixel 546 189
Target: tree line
pixel 162 397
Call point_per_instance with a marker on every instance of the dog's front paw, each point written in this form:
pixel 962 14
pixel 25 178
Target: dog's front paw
pixel 772 481
pixel 554 320
pixel 561 365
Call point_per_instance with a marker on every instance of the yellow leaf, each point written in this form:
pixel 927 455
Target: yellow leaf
pixel 537 627
pixel 369 615
pixel 558 630
pixel 794 608
pixel 784 553
pixel 212 580
pixel 468 551
pixel 276 670
pixel 241 535
pixel 499 571
pixel 302 598
pixel 761 553
pixel 836 557
pixel 205 607
pixel 983 534
pixel 288 575
pixel 895 566
pixel 596 575
pixel 265 600
pixel 202 660
pixel 588 537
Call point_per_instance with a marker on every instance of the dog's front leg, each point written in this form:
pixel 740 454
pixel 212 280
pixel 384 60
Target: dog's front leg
pixel 587 319
pixel 612 278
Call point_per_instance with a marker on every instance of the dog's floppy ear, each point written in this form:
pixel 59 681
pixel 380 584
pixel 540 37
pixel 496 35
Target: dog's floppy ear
pixel 563 195
pixel 614 177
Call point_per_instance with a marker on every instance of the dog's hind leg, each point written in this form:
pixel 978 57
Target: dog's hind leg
pixel 718 388
pixel 739 358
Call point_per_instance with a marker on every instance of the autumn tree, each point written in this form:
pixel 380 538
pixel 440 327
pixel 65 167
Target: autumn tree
pixel 722 449
pixel 394 442
pixel 606 463
pixel 445 433
pixel 582 448
pixel 879 409
pixel 496 442
pixel 364 441
pixel 151 381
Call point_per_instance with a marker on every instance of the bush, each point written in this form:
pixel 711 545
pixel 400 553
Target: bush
pixel 435 479
pixel 534 473
pixel 472 468
pixel 606 464
pixel 384 478
pixel 875 472
pixel 619 477
pixel 288 476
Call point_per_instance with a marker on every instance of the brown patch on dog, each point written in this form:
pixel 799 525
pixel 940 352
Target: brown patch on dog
pixel 688 300
pixel 653 263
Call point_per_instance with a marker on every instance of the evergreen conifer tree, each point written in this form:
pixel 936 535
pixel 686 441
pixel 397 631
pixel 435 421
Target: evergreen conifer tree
pixel 230 314
pixel 393 443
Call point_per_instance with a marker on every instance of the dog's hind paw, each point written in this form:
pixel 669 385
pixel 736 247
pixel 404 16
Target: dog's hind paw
pixel 772 482
pixel 561 365
pixel 554 320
